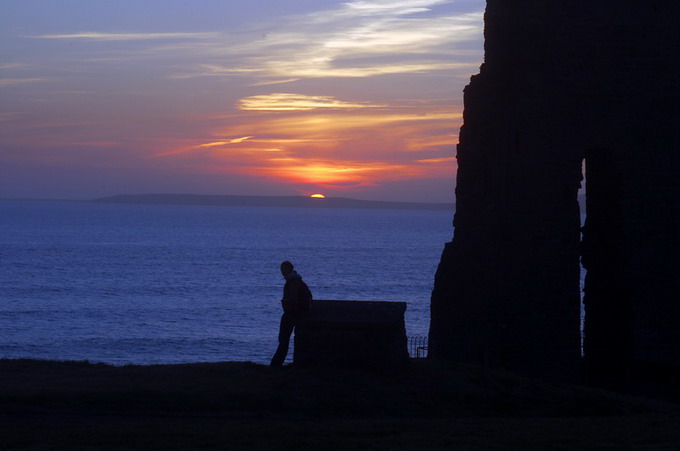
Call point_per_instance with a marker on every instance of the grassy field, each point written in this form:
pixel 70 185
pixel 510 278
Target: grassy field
pixel 426 406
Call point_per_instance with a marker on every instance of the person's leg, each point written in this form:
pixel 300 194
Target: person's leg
pixel 285 331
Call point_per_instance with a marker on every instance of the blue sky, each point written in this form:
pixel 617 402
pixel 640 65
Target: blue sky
pixel 349 98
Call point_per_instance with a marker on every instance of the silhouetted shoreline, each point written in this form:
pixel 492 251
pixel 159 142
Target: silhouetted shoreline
pixel 263 201
pixel 268 201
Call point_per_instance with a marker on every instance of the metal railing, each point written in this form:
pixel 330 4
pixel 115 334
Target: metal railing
pixel 417 347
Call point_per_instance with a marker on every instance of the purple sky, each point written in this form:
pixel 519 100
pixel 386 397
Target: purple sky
pixel 346 98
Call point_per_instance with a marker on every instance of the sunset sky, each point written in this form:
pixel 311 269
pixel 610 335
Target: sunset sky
pixel 353 98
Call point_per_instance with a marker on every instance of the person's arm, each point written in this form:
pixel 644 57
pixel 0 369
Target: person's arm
pixel 290 292
pixel 293 293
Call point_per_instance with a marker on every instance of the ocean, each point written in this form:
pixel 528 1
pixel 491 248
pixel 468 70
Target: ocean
pixel 151 284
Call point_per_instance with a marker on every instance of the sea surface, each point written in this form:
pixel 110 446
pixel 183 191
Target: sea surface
pixel 147 284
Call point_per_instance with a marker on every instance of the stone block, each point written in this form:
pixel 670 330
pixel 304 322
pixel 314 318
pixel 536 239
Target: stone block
pixel 352 334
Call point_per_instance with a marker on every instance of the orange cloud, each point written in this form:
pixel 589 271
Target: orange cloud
pixel 437 160
pixel 224 143
pixel 322 141
pixel 418 143
pixel 334 173
pixel 339 125
pixel 296 102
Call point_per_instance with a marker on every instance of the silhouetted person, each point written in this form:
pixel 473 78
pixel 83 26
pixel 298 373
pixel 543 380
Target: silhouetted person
pixel 296 299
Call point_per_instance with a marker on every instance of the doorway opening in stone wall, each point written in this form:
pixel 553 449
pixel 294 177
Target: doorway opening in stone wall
pixel 606 302
pixel 582 194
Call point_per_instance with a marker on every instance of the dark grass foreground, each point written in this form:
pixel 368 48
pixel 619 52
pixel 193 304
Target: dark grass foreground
pixel 427 406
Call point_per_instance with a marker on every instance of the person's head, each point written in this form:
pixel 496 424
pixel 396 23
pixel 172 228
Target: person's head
pixel 286 268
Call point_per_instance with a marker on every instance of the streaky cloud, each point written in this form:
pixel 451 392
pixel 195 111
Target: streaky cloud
pixel 436 160
pixel 297 102
pixel 274 82
pixel 99 36
pixel 389 7
pixel 225 142
pixel 381 38
pixel 20 81
pixel 14 66
pixel 9 116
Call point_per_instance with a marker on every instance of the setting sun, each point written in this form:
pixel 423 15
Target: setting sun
pixel 318 196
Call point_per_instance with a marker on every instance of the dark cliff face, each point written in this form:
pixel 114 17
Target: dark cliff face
pixel 565 82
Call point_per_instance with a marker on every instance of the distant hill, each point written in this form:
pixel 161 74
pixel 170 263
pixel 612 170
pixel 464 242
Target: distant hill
pixel 268 201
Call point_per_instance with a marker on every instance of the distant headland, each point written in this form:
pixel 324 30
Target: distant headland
pixel 269 201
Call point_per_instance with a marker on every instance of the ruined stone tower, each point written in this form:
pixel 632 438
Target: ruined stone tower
pixel 565 82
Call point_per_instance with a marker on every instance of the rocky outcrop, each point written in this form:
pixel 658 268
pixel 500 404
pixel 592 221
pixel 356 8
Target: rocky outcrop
pixel 565 82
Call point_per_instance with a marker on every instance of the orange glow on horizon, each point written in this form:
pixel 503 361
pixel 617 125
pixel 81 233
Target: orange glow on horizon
pixel 319 142
pixel 335 174
pixel 317 196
